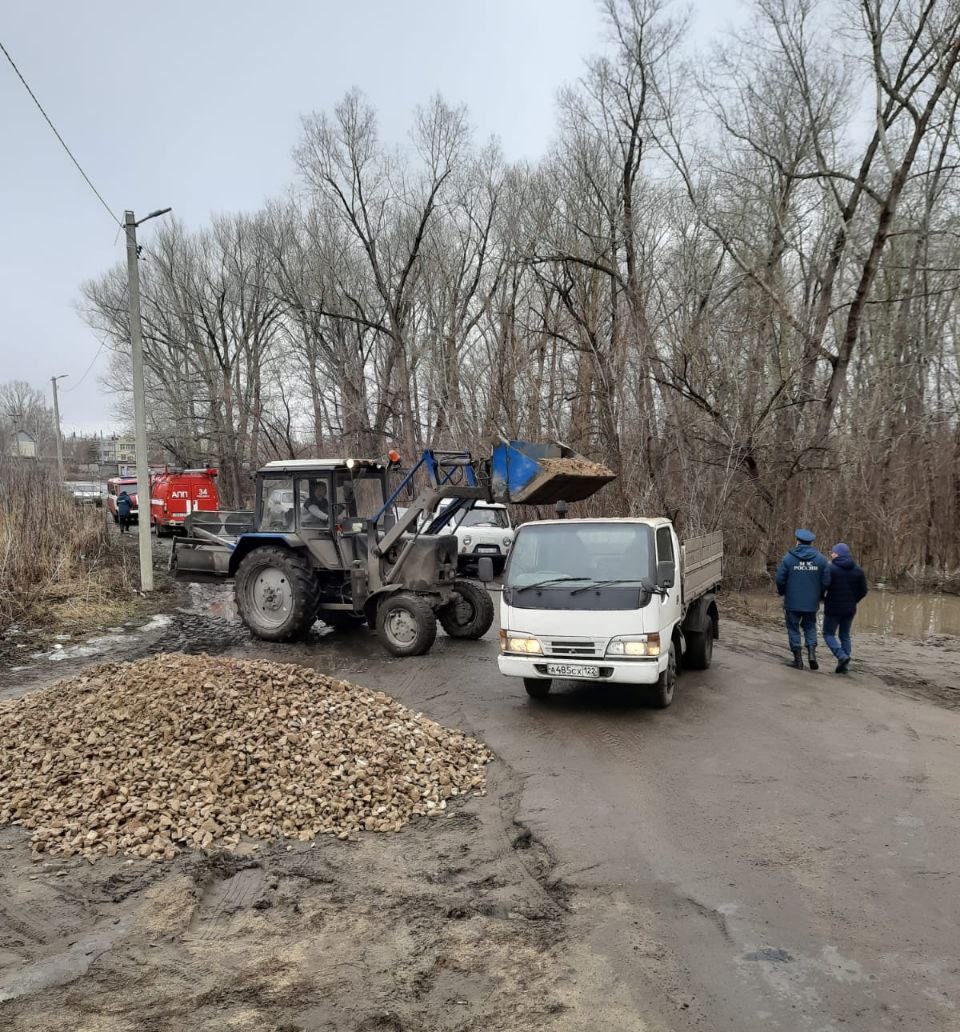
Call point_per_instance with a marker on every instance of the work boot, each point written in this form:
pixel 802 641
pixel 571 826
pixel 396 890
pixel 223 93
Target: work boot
pixel 812 656
pixel 842 665
pixel 797 663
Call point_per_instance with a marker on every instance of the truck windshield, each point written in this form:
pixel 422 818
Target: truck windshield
pixel 552 561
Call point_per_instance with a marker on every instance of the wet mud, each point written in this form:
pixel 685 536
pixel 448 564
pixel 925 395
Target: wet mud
pixel 774 852
pixel 447 926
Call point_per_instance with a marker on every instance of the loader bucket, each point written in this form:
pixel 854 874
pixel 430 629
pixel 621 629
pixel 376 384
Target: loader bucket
pixel 541 473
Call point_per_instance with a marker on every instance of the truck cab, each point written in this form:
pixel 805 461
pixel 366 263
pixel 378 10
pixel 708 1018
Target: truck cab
pixel 603 600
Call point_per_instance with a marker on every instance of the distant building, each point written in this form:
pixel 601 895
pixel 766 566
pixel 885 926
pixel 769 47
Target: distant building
pixel 117 451
pixel 23 445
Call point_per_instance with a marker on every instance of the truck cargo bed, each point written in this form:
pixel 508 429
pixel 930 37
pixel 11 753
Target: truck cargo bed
pixel 701 565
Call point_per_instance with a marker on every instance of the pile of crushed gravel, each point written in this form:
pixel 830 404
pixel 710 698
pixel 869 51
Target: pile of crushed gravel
pixel 178 752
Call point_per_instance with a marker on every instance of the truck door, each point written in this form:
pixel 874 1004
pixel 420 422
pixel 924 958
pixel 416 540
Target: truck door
pixel 670 607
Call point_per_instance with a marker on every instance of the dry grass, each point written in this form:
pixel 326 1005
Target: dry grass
pixel 57 561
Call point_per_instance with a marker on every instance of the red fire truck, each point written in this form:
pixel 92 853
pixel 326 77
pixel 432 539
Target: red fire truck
pixel 114 486
pixel 175 493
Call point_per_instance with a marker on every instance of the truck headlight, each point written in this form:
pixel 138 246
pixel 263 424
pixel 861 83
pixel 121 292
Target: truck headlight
pixel 467 539
pixel 519 643
pixel 507 542
pixel 634 646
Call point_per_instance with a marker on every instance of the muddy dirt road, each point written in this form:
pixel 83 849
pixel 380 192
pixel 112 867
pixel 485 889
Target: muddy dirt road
pixel 776 851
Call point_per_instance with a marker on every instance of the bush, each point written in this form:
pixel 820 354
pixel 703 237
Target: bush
pixel 53 553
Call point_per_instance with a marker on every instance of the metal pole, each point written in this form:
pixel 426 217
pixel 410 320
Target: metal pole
pixel 139 406
pixel 56 418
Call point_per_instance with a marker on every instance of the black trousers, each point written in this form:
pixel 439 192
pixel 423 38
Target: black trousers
pixel 124 524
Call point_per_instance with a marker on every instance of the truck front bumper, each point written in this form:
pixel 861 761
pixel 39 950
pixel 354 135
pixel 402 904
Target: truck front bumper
pixel 619 671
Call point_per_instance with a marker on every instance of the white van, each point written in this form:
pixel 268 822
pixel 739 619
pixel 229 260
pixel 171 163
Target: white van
pixel 483 531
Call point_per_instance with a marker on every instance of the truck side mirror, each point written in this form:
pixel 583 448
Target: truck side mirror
pixel 666 573
pixel 485 569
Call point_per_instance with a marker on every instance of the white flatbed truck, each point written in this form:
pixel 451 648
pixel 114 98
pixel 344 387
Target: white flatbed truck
pixel 608 600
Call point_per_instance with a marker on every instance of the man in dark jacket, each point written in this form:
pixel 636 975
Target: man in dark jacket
pixel 848 585
pixel 802 578
pixel 124 506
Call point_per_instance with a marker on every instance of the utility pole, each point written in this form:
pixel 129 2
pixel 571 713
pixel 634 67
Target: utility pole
pixel 139 398
pixel 56 419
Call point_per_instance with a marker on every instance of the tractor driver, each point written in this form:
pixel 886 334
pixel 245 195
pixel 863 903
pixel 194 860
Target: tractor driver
pixel 316 508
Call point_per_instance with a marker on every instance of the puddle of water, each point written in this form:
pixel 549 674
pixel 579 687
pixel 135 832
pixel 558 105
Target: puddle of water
pixel 916 616
pixel 215 600
pixel 156 623
pixel 104 643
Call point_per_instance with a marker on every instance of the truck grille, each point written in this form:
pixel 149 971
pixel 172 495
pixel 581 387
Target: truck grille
pixel 574 648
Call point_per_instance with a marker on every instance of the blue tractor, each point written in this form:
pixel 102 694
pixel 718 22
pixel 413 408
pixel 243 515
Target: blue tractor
pixel 331 539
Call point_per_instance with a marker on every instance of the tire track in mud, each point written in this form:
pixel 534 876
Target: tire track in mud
pixel 221 900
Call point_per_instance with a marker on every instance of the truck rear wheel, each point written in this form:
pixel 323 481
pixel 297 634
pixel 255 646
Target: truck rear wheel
pixel 699 649
pixel 406 624
pixel 470 613
pixel 662 693
pixel 537 687
pixel 277 594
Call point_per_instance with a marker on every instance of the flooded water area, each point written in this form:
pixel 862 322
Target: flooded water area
pixel 917 616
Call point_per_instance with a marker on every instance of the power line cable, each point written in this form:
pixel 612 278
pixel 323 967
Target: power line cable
pixel 63 143
pixel 73 387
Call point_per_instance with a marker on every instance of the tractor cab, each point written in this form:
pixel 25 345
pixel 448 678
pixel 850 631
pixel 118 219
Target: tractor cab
pixel 319 496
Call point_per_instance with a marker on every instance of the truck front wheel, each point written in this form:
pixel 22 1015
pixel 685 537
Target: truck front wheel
pixel 470 613
pixel 277 594
pixel 662 694
pixel 537 687
pixel 406 624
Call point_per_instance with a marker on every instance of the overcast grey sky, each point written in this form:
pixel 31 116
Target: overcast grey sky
pixel 197 106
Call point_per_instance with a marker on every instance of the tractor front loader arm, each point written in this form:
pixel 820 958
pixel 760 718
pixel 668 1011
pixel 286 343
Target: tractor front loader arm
pixel 426 502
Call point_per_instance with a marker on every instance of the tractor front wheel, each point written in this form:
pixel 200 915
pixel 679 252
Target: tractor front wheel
pixel 277 594
pixel 406 624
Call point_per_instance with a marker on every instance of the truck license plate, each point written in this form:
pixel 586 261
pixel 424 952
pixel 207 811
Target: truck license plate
pixel 488 548
pixel 570 670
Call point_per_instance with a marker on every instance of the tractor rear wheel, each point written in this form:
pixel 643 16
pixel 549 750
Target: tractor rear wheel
pixel 470 613
pixel 406 624
pixel 277 594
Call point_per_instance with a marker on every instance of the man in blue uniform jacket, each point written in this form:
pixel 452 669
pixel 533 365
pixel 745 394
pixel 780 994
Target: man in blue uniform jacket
pixel 802 578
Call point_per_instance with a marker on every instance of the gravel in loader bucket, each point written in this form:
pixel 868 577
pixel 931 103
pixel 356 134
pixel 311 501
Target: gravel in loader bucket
pixel 533 473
